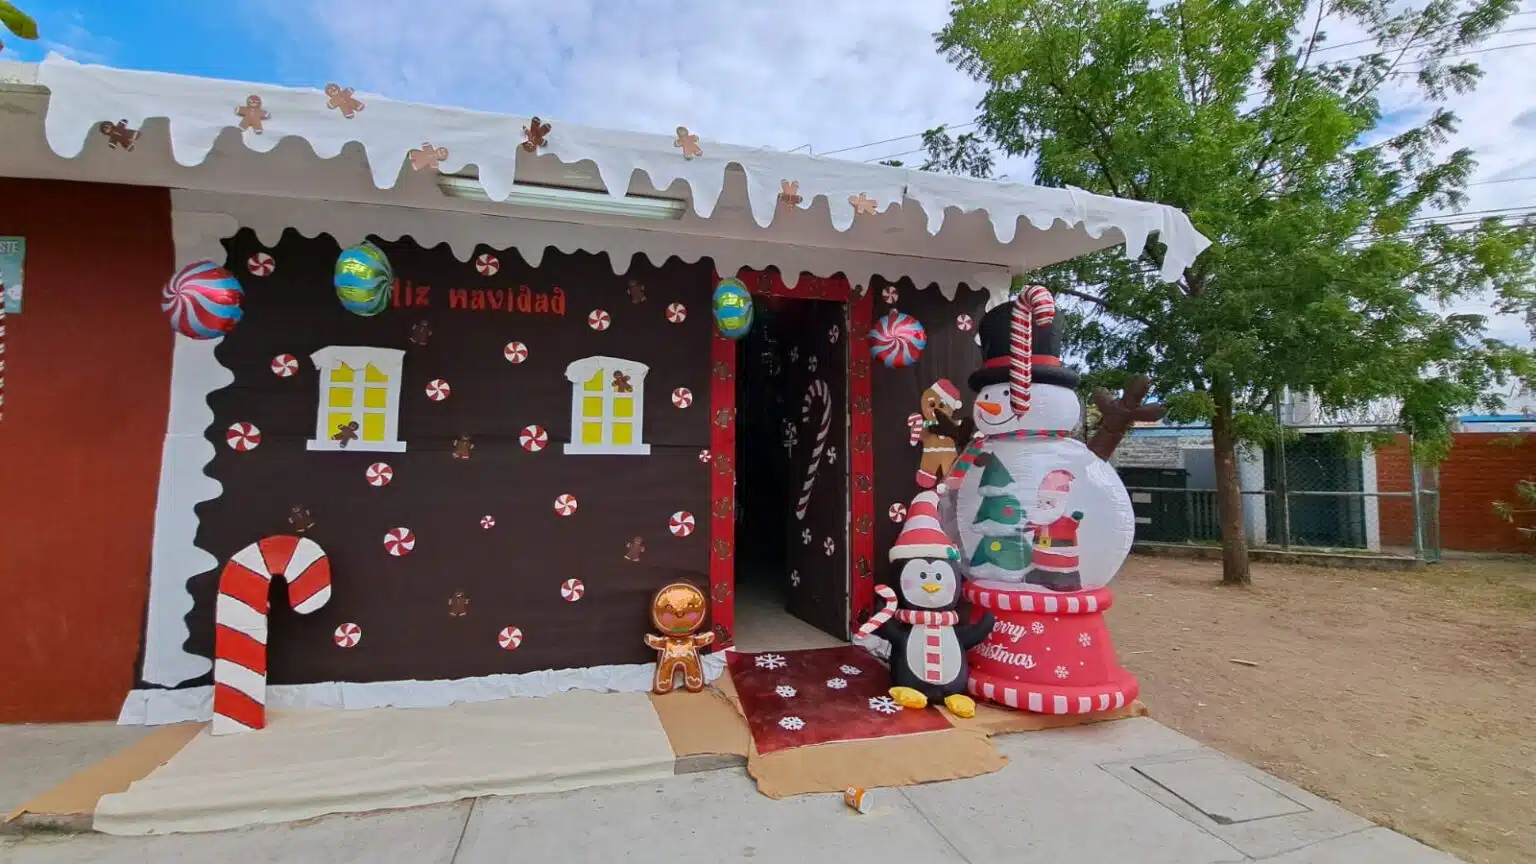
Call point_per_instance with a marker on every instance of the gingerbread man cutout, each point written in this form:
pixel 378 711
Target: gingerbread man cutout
pixel 678 611
pixel 342 100
pixel 636 292
pixel 458 605
pixel 789 193
pixel 863 205
pixel 252 115
pixel 300 519
pixel 421 333
pixel 462 446
pixel 345 433
pixel 427 157
pixel 689 142
pixel 621 383
pixel 634 549
pixel 119 136
pixel 536 134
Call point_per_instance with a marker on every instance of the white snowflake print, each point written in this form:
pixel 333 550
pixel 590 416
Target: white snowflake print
pixel 810 363
pixel 828 545
pixel 833 334
pixel 1084 639
pixel 883 704
pixel 794 578
pixel 851 670
pixel 836 683
pixel 831 455
pixel 805 537
pixel 770 661
pixel 785 690
pixel 794 354
pixel 793 724
pixel 1061 672
pixel 1036 627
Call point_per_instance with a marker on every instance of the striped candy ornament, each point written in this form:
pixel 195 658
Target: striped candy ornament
pixel 2 353
pixel 816 392
pixel 203 300
pixel 897 340
pixel 364 280
pixel 1032 307
pixel 240 622
pixel 888 594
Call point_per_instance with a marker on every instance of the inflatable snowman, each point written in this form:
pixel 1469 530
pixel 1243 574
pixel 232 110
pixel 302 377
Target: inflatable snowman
pixel 1043 524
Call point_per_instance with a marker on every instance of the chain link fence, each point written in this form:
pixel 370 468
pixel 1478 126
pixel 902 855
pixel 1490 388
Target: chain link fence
pixel 1320 490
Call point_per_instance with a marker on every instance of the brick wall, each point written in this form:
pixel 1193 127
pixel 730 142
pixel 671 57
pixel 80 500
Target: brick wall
pixel 1482 468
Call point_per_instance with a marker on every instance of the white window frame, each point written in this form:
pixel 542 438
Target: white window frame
pixel 579 373
pixel 390 361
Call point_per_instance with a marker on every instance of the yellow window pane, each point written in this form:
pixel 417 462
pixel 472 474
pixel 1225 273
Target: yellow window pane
pixel 341 397
pixel 342 374
pixel 592 406
pixel 623 433
pixel 373 427
pixel 372 373
pixel 595 383
pixel 335 420
pixel 376 397
pixel 591 433
pixel 623 406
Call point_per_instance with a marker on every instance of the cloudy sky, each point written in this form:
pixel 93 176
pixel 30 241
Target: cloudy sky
pixel 830 76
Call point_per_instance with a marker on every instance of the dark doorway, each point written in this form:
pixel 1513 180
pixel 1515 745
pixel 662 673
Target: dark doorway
pixel 791 462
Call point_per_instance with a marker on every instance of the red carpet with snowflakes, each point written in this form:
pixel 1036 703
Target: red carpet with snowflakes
pixel 800 698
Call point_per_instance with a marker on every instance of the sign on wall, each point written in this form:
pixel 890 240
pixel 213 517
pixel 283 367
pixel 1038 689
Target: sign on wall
pixel 13 251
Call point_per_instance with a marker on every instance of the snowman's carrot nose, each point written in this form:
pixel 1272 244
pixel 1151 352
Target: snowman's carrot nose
pixel 990 407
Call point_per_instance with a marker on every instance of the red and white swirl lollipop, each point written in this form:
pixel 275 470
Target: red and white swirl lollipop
pixel 243 437
pixel 348 635
pixel 677 313
pixel 285 365
pixel 438 390
pixel 260 264
pixel 533 438
pixel 897 340
pixel 509 638
pixel 964 323
pixel 599 320
pixel 515 352
pixel 681 524
pixel 487 522
pixel 399 542
pixel 379 474
pixel 572 589
pixel 487 264
pixel 682 397
pixel 898 512
pixel 565 505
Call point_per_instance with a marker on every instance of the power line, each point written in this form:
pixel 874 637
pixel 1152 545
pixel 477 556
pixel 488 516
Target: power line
pixel 946 126
pixel 1377 39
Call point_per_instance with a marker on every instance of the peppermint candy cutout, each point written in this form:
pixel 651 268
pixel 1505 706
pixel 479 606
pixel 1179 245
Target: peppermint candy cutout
pixel 964 323
pixel 379 474
pixel 682 397
pixel 509 638
pixel 832 335
pixel 705 456
pixel 898 512
pixel 487 522
pixel 572 589
pixel 597 319
pixel 533 438
pixel 348 635
pixel 243 437
pixel 260 264
pixel 285 365
pixel 487 264
pixel 681 524
pixel 677 313
pixel 515 352
pixel 889 294
pixel 399 542
pixel 438 390
pixel 565 505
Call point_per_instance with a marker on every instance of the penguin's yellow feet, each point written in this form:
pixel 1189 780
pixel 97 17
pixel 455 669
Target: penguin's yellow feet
pixel 906 697
pixel 960 705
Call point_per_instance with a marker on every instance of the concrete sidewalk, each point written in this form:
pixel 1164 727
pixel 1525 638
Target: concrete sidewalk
pixel 1129 792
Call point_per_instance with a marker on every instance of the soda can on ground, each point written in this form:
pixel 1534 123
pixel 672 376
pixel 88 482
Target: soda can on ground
pixel 857 798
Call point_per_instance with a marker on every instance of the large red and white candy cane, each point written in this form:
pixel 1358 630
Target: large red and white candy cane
pixel 240 622
pixel 884 615
pixel 915 426
pixel 2 350
pixel 1033 306
pixel 817 390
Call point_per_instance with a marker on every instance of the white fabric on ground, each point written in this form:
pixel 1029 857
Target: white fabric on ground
pixel 309 763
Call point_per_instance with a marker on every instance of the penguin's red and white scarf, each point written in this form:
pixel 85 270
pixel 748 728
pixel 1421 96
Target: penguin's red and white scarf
pixel 925 621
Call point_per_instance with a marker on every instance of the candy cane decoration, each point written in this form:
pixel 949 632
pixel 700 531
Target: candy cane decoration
pixel 915 426
pixel 1033 306
pixel 2 350
pixel 817 389
pixel 240 622
pixel 884 615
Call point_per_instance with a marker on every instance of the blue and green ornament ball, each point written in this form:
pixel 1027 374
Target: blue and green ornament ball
pixel 732 305
pixel 364 279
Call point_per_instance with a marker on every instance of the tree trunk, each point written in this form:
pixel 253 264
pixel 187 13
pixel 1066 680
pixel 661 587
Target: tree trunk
pixel 1229 496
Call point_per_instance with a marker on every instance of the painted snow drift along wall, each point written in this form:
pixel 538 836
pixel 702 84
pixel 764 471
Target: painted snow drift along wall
pixel 503 466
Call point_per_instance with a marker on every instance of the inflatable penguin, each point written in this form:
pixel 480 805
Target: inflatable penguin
pixel 920 618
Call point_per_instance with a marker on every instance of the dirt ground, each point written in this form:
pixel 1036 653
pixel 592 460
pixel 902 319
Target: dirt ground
pixel 1406 697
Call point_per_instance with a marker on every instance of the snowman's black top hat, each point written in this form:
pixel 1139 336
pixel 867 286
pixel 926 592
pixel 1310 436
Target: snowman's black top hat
pixel 996 332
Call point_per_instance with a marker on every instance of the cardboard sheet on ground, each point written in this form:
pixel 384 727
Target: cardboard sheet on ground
pixel 309 763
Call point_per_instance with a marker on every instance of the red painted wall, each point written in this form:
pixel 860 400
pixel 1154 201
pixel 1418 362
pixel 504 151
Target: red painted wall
pixel 87 383
pixel 1482 468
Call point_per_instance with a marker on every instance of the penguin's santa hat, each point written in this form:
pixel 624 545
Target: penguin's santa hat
pixel 921 535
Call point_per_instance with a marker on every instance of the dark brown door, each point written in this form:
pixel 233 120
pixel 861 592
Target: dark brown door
pixel 815 342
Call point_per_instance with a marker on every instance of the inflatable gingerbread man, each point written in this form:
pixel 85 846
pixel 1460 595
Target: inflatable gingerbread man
pixel 678 612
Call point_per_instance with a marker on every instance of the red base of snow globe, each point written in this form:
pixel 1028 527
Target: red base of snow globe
pixel 1048 653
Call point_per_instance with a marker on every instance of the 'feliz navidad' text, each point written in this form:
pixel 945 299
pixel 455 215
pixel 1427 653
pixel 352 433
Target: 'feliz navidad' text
pixel 522 300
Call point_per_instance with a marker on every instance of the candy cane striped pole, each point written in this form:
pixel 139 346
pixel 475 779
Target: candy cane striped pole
pixel 1033 306
pixel 818 389
pixel 2 350
pixel 884 615
pixel 240 622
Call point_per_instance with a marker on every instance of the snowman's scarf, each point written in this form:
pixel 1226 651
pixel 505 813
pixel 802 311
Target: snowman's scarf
pixel 968 456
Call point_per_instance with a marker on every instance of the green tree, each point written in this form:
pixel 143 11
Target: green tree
pixel 18 22
pixel 1326 274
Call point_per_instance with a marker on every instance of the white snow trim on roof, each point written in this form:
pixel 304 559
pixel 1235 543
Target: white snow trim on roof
pixel 199 109
pixel 149 707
